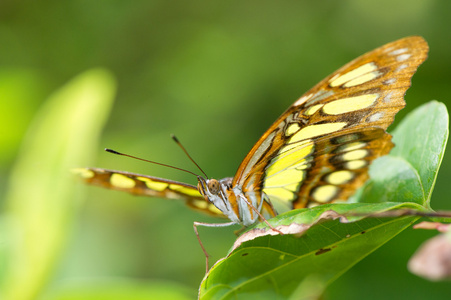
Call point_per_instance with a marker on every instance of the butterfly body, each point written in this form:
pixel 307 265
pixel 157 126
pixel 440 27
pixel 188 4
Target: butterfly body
pixel 233 202
pixel 316 152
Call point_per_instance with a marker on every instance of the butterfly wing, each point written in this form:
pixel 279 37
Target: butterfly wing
pixel 319 150
pixel 144 185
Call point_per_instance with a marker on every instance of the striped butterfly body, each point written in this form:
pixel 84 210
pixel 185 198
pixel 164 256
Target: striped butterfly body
pixel 316 152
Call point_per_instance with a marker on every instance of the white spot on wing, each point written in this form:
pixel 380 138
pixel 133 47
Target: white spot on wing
pixel 389 49
pixel 320 95
pixel 403 57
pixel 388 97
pixel 302 99
pixel 398 51
pixel 390 81
pixel 401 67
pixel 375 117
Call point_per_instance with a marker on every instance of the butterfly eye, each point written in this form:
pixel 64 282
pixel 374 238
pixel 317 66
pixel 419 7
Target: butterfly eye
pixel 213 186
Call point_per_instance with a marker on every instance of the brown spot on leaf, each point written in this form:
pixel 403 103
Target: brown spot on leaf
pixel 322 250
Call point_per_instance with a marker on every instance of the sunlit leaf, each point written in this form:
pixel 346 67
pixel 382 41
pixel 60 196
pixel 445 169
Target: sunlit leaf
pixel 421 140
pixel 40 199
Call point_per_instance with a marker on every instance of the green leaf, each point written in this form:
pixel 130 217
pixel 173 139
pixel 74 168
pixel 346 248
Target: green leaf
pixel 409 172
pixel 421 140
pixel 301 265
pixel 41 199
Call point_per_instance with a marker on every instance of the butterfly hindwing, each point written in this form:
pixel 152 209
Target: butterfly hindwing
pixel 333 168
pixel 350 109
pixel 144 185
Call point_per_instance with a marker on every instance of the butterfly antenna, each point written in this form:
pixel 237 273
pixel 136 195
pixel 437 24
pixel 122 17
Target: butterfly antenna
pixel 187 154
pixel 149 161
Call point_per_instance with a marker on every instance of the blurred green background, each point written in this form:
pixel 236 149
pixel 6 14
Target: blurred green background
pixel 216 74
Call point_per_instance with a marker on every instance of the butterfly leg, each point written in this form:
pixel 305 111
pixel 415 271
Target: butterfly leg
pixel 195 224
pixel 260 215
pixel 268 207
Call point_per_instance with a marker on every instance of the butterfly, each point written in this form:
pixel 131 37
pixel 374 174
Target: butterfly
pixel 318 151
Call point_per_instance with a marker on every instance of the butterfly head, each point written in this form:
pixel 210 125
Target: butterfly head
pixel 218 193
pixel 209 188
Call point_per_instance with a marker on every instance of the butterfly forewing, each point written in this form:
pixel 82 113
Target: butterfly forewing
pixel 144 185
pixel 319 150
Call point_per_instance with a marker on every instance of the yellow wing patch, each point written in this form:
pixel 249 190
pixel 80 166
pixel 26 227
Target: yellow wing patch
pixel 325 193
pixel 313 109
pixel 346 105
pixel 368 71
pixel 340 177
pixel 316 130
pixel 121 181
